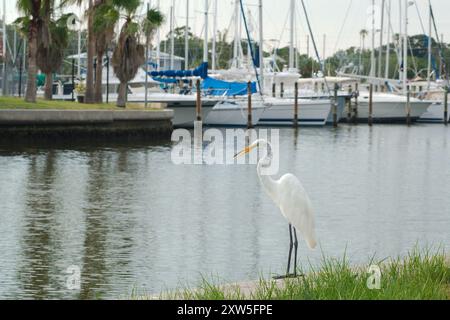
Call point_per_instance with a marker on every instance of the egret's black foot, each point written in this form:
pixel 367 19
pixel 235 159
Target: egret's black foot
pixel 289 276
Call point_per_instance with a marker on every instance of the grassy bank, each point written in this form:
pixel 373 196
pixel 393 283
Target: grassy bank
pixel 10 103
pixel 419 276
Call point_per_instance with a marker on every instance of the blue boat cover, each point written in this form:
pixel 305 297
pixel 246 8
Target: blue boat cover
pixel 201 72
pixel 216 87
pixel 166 80
pixel 210 86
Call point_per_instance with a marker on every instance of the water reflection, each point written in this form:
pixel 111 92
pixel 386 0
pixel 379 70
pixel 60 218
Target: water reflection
pixel 94 268
pixel 128 217
pixel 38 238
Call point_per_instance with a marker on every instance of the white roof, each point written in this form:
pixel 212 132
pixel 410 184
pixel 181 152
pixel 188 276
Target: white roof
pixel 153 55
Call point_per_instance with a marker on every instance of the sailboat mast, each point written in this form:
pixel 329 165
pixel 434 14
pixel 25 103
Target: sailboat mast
pixel 158 40
pixel 236 33
pixel 291 41
pixel 400 39
pixel 429 45
pixel 388 48
pixel 249 55
pixel 405 49
pixel 324 52
pixel 214 44
pixel 172 36
pixel 205 44
pixel 261 49
pixel 372 55
pixel 380 54
pixel 186 38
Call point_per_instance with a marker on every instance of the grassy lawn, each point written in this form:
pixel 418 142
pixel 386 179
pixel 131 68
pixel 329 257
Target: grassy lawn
pixel 9 103
pixel 419 276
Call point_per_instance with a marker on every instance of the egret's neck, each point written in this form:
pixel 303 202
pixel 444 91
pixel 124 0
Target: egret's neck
pixel 268 183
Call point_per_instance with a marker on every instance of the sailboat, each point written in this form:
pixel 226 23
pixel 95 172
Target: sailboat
pixel 390 107
pixel 435 90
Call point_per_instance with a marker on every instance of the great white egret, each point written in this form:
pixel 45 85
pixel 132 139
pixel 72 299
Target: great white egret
pixel 292 200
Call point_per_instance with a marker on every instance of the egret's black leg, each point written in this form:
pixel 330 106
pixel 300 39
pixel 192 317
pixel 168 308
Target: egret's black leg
pixel 296 250
pixel 291 246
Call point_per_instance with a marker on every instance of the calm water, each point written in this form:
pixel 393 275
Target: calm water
pixel 130 218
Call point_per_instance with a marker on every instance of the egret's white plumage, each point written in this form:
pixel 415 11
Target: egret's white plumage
pixel 289 195
pixel 296 207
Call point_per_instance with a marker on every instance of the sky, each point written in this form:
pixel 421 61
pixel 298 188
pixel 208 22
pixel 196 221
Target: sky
pixel 339 20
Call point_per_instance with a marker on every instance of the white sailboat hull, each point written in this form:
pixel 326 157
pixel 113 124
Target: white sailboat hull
pixel 234 113
pixel 281 112
pixel 185 116
pixel 391 108
pixel 435 113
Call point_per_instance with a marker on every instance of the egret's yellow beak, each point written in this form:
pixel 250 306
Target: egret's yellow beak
pixel 245 151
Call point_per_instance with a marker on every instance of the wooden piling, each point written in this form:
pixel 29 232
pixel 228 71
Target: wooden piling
pixel 335 105
pixel 249 95
pixel 199 101
pixel 296 105
pixel 408 105
pixel 446 106
pixel 371 105
pixel 355 106
pixel 349 104
pixel 282 90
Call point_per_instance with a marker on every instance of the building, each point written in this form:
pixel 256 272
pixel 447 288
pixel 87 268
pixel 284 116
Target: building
pixel 165 59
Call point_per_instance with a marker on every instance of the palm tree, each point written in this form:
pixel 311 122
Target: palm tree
pixel 129 54
pixel 106 17
pixel 50 54
pixel 152 22
pixel 30 25
pixel 89 95
pixel 363 34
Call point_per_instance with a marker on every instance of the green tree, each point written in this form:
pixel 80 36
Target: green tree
pixel 50 54
pixel 106 16
pixel 31 24
pixel 129 54
pixel 195 45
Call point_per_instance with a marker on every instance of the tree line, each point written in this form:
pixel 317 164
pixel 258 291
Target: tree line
pixel 360 58
pixel 48 37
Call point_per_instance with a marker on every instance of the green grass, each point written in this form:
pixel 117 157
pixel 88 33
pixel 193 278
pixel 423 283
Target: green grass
pixel 9 103
pixel 419 276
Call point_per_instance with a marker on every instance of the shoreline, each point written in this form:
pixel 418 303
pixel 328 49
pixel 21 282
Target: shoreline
pixel 82 124
pixel 335 280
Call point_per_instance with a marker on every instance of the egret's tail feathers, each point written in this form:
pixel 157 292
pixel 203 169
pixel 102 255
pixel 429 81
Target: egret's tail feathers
pixel 311 240
pixel 312 244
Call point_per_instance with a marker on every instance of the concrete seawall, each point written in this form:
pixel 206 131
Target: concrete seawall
pixel 74 124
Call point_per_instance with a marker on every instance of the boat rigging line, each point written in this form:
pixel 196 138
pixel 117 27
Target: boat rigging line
pixel 343 25
pixel 441 51
pixel 251 47
pixel 315 46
